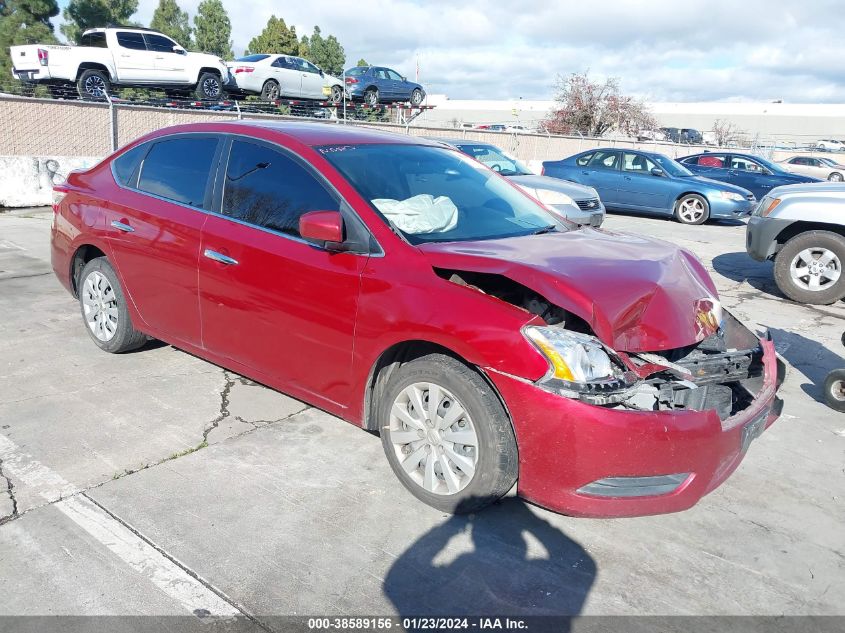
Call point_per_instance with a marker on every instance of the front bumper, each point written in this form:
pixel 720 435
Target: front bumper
pixel 761 236
pixel 592 217
pixel 722 208
pixel 565 445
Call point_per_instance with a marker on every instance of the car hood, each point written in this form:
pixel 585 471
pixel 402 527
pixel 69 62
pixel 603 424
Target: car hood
pixel 638 294
pixel 571 189
pixel 719 185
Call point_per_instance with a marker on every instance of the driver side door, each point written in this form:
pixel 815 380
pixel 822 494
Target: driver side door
pixel 749 174
pixel 170 65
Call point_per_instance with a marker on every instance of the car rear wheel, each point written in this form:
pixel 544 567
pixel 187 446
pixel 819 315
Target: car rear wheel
pixel 104 310
pixel 371 97
pixel 835 177
pixel 270 90
pixel 93 85
pixel 446 435
pixel 337 94
pixel 417 97
pixel 834 390
pixel 692 209
pixel 209 87
pixel 808 269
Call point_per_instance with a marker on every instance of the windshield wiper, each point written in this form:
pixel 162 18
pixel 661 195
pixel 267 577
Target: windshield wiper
pixel 551 228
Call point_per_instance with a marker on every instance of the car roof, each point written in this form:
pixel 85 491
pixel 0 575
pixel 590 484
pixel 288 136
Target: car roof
pixel 454 142
pixel 313 134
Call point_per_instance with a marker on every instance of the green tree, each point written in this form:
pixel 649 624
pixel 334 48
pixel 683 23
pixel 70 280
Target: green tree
pixel 169 19
pixel 327 52
pixel 212 29
pixel 276 38
pixel 24 22
pixel 362 62
pixel 81 15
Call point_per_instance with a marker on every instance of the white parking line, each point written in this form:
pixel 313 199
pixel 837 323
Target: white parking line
pixel 145 559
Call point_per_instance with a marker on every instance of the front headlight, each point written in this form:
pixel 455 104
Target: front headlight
pixel 548 196
pixel 574 357
pixel 730 195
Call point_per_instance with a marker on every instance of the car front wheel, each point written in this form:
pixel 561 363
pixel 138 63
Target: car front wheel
pixel 808 269
pixel 692 209
pixel 446 435
pixel 104 310
pixel 417 97
pixel 835 177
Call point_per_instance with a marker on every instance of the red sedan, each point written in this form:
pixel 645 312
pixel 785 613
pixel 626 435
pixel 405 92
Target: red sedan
pixel 409 290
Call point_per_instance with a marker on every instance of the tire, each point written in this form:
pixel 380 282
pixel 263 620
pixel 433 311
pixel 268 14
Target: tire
pixel 371 96
pixel 93 85
pixel 692 208
pixel 493 459
pixel 835 177
pixel 417 97
pixel 209 87
pixel 270 91
pixel 834 390
pixel 793 258
pixel 336 95
pixel 98 285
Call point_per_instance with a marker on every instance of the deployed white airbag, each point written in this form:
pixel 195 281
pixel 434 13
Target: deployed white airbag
pixel 420 214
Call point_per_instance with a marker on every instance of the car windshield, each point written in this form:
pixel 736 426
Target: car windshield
pixel 495 159
pixel 828 161
pixel 671 167
pixel 434 194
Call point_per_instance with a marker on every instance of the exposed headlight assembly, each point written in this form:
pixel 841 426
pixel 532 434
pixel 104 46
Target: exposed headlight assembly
pixel 580 364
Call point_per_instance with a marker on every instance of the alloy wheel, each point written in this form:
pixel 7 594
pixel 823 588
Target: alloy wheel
pixel 815 269
pixel 691 209
pixel 100 306
pixel 95 86
pixel 837 390
pixel 434 439
pixel 211 87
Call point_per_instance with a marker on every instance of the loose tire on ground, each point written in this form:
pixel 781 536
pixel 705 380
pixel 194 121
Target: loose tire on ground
pixel 834 390
pixel 692 208
pixel 458 391
pixel 101 301
pixel 93 85
pixel 814 246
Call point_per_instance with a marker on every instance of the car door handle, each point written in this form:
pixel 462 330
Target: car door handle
pixel 220 257
pixel 159 56
pixel 122 226
pixel 125 55
pixel 586 173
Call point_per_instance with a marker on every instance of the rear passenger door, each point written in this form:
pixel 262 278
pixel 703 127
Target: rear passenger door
pixel 602 172
pixel 154 231
pixel 282 307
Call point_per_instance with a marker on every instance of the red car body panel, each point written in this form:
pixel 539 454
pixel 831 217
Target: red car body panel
pixel 314 323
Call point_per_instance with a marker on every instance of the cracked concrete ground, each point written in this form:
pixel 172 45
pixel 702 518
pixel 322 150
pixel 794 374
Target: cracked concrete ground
pixel 156 483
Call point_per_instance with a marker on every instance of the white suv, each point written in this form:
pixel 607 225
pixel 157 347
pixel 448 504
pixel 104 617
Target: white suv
pixel 121 57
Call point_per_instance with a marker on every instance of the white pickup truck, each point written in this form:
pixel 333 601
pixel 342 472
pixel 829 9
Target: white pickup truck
pixel 121 57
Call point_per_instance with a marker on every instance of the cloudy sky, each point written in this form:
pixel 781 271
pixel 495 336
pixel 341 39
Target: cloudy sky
pixel 661 50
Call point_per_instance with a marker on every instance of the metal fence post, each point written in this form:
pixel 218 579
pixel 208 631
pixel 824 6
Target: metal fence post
pixel 112 123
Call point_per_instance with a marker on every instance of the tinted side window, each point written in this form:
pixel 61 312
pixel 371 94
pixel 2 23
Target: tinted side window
pixel 266 188
pixel 159 44
pixel 605 160
pixel 96 40
pixel 394 75
pixel 637 163
pixel 134 41
pixel 178 169
pixel 126 165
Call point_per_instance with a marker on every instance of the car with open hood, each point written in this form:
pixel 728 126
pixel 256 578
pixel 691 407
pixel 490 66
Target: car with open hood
pixel 406 288
pixel 577 203
pixel 647 182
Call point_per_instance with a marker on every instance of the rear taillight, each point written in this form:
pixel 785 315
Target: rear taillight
pixel 43 56
pixel 351 80
pixel 243 69
pixel 543 170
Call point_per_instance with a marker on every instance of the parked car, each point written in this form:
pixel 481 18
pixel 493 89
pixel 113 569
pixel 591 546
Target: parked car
pixel 121 57
pixel 651 135
pixel 284 76
pixel 802 229
pixel 687 136
pixel 754 173
pixel 815 167
pixel 574 202
pixel 830 145
pixel 631 180
pixel 400 285
pixel 377 84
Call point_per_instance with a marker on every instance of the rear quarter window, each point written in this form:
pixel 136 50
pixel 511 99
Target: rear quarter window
pixel 125 166
pixel 178 169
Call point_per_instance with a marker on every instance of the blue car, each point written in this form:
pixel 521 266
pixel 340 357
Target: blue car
pixel 377 84
pixel 630 180
pixel 756 174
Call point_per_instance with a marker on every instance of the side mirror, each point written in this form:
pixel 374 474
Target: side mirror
pixel 179 50
pixel 656 171
pixel 404 79
pixel 322 226
pixel 322 74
